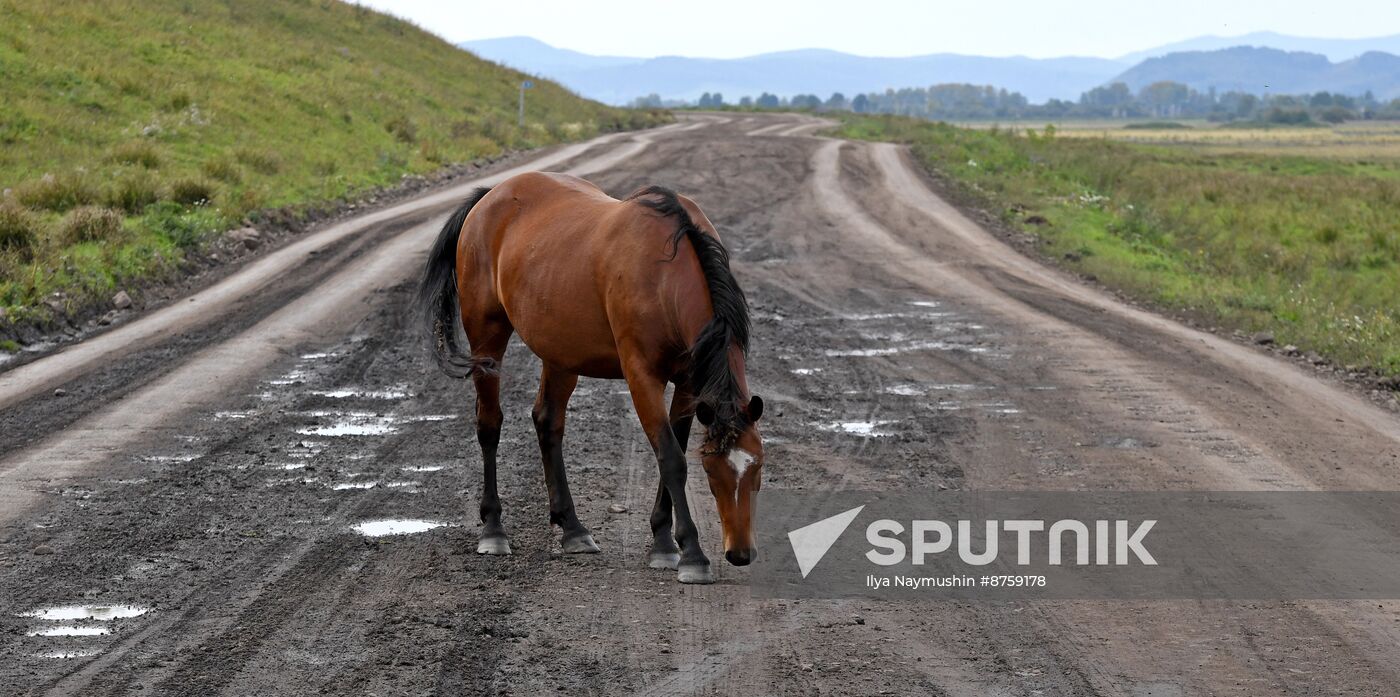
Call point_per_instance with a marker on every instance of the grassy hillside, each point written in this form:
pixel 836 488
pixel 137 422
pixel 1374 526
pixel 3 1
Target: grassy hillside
pixel 1305 247
pixel 131 131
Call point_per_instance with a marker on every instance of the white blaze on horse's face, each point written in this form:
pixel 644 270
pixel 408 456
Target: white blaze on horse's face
pixel 740 459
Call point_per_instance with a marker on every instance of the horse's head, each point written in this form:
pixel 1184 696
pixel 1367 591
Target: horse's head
pixel 732 455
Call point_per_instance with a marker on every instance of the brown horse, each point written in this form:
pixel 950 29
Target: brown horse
pixel 638 289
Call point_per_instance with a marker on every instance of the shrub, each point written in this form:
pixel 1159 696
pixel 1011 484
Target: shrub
pixel 222 169
pixel 141 153
pixel 169 219
pixel 191 192
pixel 261 161
pixel 57 192
pixel 19 228
pixel 402 129
pixel 132 192
pixel 90 224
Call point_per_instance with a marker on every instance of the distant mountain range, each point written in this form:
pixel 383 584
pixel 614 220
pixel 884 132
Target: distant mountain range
pixel 1336 50
pixel 1268 70
pixel 618 79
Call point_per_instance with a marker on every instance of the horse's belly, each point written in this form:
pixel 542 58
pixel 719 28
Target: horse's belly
pixel 582 345
pixel 578 354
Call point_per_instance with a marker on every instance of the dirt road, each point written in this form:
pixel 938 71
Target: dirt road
pixel 204 474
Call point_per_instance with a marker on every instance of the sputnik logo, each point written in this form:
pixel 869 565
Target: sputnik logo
pixel 811 542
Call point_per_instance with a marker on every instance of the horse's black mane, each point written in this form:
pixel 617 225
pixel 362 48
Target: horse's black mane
pixel 711 376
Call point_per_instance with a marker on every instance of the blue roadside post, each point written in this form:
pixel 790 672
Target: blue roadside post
pixel 525 85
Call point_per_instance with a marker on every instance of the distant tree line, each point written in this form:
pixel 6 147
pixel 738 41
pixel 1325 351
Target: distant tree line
pixel 1161 100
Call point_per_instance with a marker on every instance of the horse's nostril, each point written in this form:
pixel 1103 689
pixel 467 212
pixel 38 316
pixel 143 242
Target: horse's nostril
pixel 740 557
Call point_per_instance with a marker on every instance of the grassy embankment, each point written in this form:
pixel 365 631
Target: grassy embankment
pixel 130 132
pixel 1307 247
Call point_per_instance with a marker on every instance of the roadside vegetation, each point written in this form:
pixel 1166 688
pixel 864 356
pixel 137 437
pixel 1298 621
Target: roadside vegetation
pixel 1306 248
pixel 132 132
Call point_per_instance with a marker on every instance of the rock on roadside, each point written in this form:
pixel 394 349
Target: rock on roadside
pixel 121 300
pixel 249 237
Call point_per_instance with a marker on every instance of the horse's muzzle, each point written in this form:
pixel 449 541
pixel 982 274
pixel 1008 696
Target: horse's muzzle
pixel 740 557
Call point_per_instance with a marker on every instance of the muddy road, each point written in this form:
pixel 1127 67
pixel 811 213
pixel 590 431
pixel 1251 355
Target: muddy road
pixel 202 511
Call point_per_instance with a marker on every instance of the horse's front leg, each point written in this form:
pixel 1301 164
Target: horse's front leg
pixel 664 554
pixel 550 406
pixel 648 398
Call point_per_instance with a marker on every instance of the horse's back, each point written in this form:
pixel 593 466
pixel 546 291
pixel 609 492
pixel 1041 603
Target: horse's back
pixel 571 267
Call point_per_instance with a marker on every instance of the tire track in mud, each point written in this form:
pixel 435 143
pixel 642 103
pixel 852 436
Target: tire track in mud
pixel 1169 622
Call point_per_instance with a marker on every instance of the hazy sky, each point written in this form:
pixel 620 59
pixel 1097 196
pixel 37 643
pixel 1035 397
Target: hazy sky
pixel 1037 28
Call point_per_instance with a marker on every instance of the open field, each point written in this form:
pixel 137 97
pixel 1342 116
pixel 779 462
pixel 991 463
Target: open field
pixel 1304 245
pixel 132 131
pixel 1355 140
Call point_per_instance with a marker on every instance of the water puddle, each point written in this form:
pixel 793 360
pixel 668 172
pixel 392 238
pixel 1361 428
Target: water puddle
pixel 382 528
pixel 355 423
pixel 290 465
pixel 806 371
pixel 904 390
pixel 342 486
pixel 867 429
pixel 923 303
pixel 349 428
pixel 70 630
pixel 872 316
pixel 403 484
pixel 432 417
pixel 169 458
pixel 294 377
pixel 316 356
pixel 999 408
pixel 915 346
pixel 101 613
pixel 422 468
pixel 234 414
pixel 349 393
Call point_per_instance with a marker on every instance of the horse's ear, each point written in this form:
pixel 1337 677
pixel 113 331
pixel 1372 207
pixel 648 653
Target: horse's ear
pixel 755 408
pixel 704 413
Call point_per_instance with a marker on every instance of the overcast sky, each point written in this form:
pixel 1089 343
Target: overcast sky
pixel 1037 28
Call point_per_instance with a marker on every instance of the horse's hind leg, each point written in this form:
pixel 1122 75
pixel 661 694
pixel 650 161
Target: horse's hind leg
pixel 488 341
pixel 664 553
pixel 550 406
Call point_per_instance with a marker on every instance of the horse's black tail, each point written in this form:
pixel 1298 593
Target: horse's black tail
pixel 437 298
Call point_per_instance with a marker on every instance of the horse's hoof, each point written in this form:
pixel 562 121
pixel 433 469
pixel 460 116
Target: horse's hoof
pixel 496 545
pixel 664 560
pixel 695 573
pixel 580 544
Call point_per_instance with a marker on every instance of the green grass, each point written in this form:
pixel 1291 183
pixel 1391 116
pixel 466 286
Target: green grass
pixel 1305 247
pixel 187 117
